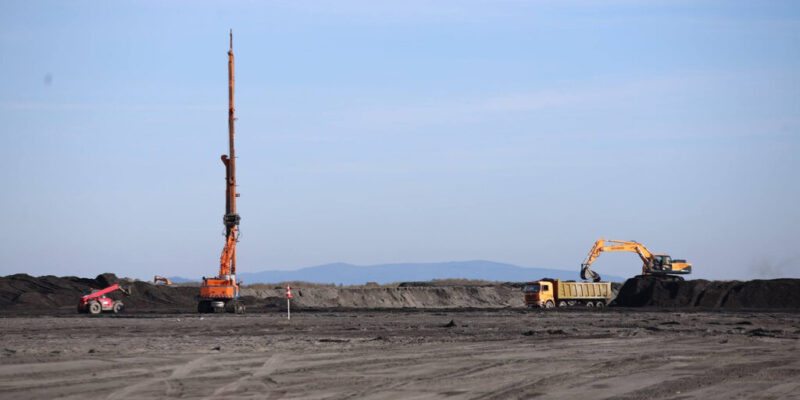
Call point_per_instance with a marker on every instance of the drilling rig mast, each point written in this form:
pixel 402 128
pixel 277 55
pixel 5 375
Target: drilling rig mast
pixel 221 293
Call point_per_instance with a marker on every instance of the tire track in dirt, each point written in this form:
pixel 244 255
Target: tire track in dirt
pixel 178 372
pixel 70 376
pixel 763 369
pixel 259 375
pixel 393 355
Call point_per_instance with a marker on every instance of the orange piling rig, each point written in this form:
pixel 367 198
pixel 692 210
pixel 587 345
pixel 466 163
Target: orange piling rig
pixel 221 293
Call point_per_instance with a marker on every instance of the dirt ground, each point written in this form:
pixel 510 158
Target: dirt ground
pixel 489 354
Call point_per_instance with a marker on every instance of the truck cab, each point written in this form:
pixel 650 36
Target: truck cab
pixel 539 294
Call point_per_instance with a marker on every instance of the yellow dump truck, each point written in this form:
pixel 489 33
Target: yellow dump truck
pixel 549 293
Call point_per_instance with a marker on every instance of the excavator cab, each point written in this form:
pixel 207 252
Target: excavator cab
pixel 661 262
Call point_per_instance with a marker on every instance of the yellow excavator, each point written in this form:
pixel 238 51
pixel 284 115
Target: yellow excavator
pixel 654 264
pixel 161 279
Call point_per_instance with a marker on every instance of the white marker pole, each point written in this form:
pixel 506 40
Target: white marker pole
pixel 288 301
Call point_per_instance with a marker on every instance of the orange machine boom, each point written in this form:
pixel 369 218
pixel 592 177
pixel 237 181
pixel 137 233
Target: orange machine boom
pixel 221 293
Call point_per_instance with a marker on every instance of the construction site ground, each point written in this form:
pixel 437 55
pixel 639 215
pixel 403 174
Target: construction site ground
pixel 392 354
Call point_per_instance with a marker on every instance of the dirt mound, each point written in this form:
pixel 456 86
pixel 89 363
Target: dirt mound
pixel 24 294
pixel 393 297
pixel 25 291
pixel 147 296
pixel 51 294
pixel 648 291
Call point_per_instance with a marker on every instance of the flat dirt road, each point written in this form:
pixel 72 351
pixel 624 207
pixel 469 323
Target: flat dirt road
pixel 486 354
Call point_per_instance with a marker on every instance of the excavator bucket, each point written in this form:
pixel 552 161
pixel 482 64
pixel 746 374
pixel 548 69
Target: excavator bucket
pixel 588 274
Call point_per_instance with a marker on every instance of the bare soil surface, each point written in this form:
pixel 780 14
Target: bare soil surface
pixel 479 354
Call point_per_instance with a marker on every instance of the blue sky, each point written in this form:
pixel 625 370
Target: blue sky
pixel 376 132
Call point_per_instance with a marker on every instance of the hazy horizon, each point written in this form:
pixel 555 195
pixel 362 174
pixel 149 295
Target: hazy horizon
pixel 145 277
pixel 374 133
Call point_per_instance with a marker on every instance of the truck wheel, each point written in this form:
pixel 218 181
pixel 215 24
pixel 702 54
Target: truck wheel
pixel 95 308
pixel 562 303
pixel 549 304
pixel 239 308
pixel 118 306
pixel 589 304
pixel 600 304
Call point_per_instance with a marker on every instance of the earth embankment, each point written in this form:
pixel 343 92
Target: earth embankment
pixel 489 296
pixel 24 294
pixel 699 293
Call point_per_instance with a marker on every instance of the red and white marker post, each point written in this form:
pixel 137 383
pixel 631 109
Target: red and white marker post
pixel 288 303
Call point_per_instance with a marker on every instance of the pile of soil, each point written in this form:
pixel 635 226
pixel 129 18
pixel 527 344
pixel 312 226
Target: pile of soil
pixel 489 296
pixel 45 294
pixel 653 292
pixel 24 294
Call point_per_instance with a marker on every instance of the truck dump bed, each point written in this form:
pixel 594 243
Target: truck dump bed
pixel 583 290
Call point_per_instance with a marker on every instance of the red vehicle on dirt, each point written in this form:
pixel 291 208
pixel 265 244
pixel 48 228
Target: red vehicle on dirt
pixel 96 301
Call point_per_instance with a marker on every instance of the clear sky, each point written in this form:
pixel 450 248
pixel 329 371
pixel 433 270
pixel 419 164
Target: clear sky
pixel 374 132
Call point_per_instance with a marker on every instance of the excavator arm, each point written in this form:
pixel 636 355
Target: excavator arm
pixel 619 245
pixel 228 253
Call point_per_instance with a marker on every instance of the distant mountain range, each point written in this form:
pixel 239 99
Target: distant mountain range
pixel 348 274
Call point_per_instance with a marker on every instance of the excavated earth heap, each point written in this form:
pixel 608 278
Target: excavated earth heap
pixel 652 292
pixel 24 294
pixel 404 296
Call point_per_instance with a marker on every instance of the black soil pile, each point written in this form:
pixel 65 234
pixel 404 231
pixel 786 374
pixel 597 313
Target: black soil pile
pixel 22 293
pixel 652 292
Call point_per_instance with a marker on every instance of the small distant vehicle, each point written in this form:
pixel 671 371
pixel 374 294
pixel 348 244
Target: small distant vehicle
pixel 162 279
pixel 96 301
pixel 551 293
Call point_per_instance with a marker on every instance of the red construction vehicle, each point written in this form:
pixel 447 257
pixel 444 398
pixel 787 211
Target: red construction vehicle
pixel 96 301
